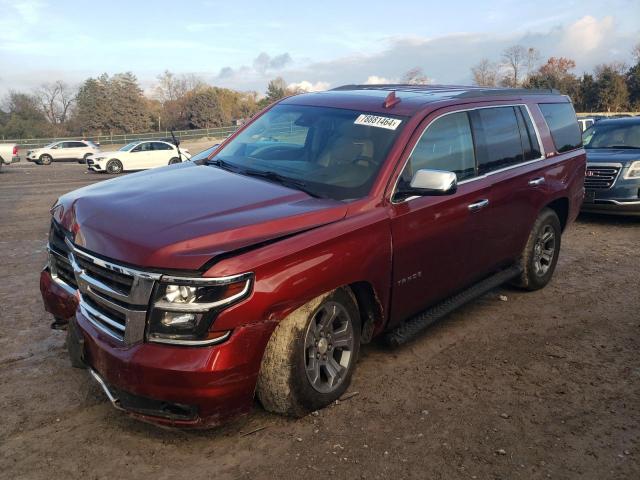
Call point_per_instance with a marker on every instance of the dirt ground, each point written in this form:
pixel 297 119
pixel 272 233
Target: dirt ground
pixel 542 385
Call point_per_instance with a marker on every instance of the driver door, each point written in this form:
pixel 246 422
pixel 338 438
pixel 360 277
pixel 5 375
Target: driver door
pixel 141 156
pixel 435 238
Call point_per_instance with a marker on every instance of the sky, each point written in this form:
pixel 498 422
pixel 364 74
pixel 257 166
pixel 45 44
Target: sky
pixel 316 45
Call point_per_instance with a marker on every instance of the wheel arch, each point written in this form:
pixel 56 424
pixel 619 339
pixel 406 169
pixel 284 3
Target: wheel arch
pixel 561 207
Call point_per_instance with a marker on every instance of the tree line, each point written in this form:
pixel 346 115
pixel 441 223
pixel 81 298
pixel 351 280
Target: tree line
pixel 117 104
pixel 611 87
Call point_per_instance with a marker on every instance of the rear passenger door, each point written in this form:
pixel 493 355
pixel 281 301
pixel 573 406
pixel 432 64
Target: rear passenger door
pixel 162 153
pixel 509 155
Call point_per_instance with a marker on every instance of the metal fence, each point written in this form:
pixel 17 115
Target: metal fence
pixel 121 139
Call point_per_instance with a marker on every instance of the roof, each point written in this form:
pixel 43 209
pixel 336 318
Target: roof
pixel 620 120
pixel 412 97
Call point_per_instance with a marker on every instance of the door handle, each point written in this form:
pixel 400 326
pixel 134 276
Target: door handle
pixel 536 181
pixel 474 207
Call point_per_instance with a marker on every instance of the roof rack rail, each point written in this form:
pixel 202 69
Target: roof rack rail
pixel 465 90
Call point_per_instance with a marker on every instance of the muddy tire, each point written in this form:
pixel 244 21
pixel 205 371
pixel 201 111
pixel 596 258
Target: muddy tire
pixel 540 255
pixel 45 159
pixel 311 356
pixel 114 167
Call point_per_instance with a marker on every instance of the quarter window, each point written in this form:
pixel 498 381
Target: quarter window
pixel 563 125
pixel 499 143
pixel 447 144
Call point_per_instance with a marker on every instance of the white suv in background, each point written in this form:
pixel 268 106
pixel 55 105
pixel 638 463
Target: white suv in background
pixel 77 150
pixel 139 155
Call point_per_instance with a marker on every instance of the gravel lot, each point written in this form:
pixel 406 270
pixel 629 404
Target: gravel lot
pixel 542 385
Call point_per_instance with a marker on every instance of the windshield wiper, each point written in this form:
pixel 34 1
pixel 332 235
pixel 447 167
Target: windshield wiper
pixel 282 180
pixel 623 147
pixel 218 162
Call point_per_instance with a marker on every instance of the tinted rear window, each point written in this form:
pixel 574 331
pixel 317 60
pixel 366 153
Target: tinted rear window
pixel 563 124
pixel 498 138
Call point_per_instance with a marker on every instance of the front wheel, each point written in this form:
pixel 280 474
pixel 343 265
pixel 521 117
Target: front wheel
pixel 540 255
pixel 45 159
pixel 174 160
pixel 311 356
pixel 114 167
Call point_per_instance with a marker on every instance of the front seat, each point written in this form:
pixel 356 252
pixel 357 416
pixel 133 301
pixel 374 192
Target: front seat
pixel 349 145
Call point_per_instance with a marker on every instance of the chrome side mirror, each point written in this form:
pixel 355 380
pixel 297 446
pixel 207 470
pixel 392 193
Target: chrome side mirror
pixel 433 182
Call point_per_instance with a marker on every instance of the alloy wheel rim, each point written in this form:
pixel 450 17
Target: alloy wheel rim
pixel 113 168
pixel 544 250
pixel 328 347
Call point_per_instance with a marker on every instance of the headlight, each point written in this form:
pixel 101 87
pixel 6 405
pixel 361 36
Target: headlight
pixel 634 170
pixel 185 308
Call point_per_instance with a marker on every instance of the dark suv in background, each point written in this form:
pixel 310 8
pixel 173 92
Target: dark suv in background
pixel 330 219
pixel 612 181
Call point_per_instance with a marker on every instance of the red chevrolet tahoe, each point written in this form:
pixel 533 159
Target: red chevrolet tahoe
pixel 330 219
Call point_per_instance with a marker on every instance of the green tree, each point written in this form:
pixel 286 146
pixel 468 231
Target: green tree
pixel 611 88
pixel 588 94
pixel 633 80
pixel 24 117
pixel 204 108
pixel 276 90
pixel 129 106
pixel 93 107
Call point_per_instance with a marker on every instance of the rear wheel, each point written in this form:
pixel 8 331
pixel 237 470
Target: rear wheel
pixel 174 160
pixel 311 355
pixel 45 159
pixel 84 159
pixel 114 166
pixel 540 255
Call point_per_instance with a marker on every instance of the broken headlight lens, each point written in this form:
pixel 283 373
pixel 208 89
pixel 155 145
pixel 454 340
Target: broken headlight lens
pixel 185 308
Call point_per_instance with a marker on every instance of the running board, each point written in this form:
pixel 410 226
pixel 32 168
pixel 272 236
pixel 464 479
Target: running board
pixel 410 328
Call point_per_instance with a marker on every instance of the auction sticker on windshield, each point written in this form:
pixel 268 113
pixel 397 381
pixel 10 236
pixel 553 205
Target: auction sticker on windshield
pixel 380 122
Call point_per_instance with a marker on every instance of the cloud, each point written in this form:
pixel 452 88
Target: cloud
pixel 376 80
pixel 307 86
pixel 587 34
pixel 29 11
pixel 264 62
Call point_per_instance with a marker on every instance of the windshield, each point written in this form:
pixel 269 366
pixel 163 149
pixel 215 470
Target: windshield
pixel 327 152
pixel 128 147
pixel 205 153
pixel 612 135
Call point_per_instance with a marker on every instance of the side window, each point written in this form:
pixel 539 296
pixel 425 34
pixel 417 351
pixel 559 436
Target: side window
pixel 77 145
pixel 64 145
pixel 563 125
pixel 446 144
pixel 530 146
pixel 499 144
pixel 161 146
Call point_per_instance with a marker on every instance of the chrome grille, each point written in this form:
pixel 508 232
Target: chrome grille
pixel 112 297
pixel 601 177
pixel 59 265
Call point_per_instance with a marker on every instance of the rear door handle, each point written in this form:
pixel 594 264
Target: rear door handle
pixel 536 181
pixel 474 207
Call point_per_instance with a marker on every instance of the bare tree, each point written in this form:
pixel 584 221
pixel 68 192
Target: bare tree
pixel 56 99
pixel 485 73
pixel 415 76
pixel 519 61
pixel 171 87
pixel 635 52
